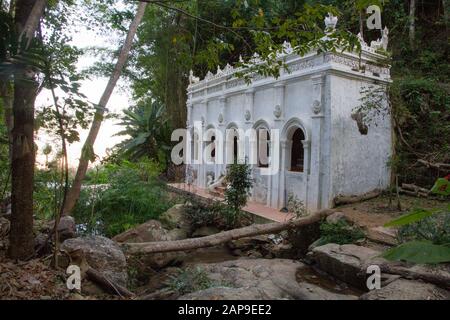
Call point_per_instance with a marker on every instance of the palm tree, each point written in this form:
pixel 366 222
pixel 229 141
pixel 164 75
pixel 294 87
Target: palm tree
pixel 149 131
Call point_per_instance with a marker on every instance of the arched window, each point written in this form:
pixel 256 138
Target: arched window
pixel 235 149
pixel 263 147
pixel 297 151
pixel 213 151
pixel 196 146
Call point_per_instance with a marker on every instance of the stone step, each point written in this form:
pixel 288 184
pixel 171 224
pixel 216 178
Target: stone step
pixel 345 262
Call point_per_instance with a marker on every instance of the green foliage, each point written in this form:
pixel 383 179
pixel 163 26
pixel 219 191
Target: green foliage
pixel 191 280
pixel 4 154
pixel 171 43
pixel 434 227
pixel 132 196
pixel 340 233
pixel 441 187
pixel 419 252
pixel 47 192
pixel 202 214
pixel 414 216
pixel 236 195
pixel 213 213
pixel 421 111
pixel 425 235
pixel 149 131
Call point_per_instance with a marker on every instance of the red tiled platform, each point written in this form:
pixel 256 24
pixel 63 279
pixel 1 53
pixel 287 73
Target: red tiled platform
pixel 252 207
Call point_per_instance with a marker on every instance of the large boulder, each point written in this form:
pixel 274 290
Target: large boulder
pixel 102 254
pixel 345 262
pixel 402 289
pixel 67 228
pixel 149 231
pixel 153 231
pixel 260 279
pixel 174 218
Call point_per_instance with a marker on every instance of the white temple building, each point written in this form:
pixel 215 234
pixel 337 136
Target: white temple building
pixel 322 153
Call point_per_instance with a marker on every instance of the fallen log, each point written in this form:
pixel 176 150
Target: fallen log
pixel 439 279
pixel 223 237
pixel 428 164
pixel 413 193
pixel 343 200
pixel 413 187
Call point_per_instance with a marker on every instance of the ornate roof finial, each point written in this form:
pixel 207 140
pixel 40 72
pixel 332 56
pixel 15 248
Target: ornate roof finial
pixel 209 75
pixel 385 38
pixel 287 48
pixel 331 22
pixel 193 79
pixel 361 40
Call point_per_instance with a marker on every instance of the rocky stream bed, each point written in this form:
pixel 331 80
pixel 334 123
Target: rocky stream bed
pixel 263 267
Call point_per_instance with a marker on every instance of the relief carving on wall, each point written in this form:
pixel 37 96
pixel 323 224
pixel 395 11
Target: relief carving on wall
pixel 277 112
pixel 317 107
pixel 247 115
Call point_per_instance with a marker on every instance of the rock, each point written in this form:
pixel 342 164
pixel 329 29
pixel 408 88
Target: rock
pixel 150 231
pixel 5 226
pixel 40 241
pixel 336 217
pixel 224 293
pixel 383 235
pixel 260 279
pixel 402 289
pixel 158 261
pixel 76 296
pixel 153 231
pixel 67 228
pixel 344 262
pixel 281 251
pixel 175 218
pixel 205 231
pixel 102 254
pixel 177 234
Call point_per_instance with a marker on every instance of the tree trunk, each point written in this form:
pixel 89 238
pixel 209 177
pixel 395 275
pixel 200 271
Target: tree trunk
pixel 343 200
pixel 6 93
pixel 446 9
pixel 223 237
pixel 440 279
pixel 32 22
pixel 361 23
pixel 412 23
pixel 27 16
pixel 22 174
pixel 88 148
